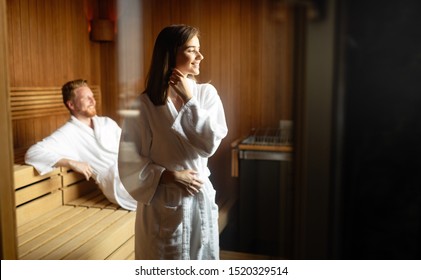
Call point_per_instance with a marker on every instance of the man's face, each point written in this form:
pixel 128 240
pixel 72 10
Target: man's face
pixel 83 104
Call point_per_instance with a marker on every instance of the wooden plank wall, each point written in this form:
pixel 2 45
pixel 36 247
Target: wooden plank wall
pixel 48 44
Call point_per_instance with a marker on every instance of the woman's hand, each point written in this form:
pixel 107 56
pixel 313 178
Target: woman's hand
pixel 186 179
pixel 178 81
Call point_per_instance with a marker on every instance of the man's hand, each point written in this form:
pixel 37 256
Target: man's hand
pixel 78 166
pixel 81 167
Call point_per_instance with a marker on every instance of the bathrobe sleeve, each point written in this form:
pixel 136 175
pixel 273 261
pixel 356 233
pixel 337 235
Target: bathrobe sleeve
pixel 45 154
pixel 140 176
pixel 201 121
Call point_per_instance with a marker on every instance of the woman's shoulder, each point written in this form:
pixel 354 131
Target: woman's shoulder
pixel 144 102
pixel 138 101
pixel 144 98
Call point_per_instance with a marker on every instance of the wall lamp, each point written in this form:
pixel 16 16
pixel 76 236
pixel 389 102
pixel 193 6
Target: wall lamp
pixel 102 30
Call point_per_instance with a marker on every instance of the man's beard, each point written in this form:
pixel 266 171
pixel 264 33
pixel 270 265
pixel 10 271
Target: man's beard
pixel 89 113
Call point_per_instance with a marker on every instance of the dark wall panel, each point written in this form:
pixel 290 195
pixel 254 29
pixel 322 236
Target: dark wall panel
pixel 382 178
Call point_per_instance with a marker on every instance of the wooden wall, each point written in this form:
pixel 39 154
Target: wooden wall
pixel 246 45
pixel 48 44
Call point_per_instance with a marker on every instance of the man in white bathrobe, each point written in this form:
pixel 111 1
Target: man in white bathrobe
pixel 87 144
pixel 164 153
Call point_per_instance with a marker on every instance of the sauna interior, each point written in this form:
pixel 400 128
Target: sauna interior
pixel 50 42
pixel 319 65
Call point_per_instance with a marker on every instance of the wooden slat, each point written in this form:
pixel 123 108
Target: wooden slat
pixel 27 102
pixel 50 215
pixel 38 207
pixel 27 53
pixel 95 199
pixel 39 113
pixel 80 201
pixel 125 252
pixel 77 190
pixel 274 148
pixel 104 243
pixel 32 100
pixel 35 89
pixel 131 256
pixel 70 177
pixel 86 220
pixel 234 163
pixel 46 226
pixel 41 235
pixel 26 174
pixel 224 213
pixel 60 234
pixel 19 155
pixel 93 202
pixel 68 249
pixel 105 203
pixel 37 190
pixel 28 108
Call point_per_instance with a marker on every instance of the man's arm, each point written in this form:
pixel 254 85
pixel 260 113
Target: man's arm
pixel 77 166
pixel 57 150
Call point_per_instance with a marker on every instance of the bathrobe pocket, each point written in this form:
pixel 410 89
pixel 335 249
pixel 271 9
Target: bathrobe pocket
pixel 170 229
pixel 170 225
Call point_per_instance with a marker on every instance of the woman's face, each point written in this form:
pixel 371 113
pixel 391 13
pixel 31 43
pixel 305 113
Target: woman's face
pixel 189 57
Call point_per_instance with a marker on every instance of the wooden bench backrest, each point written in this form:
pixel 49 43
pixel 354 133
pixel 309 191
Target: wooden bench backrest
pixel 36 195
pixel 31 102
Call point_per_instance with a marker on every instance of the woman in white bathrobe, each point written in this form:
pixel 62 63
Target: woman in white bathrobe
pixel 176 126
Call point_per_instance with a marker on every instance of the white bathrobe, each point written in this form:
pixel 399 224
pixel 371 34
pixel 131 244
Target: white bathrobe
pixel 171 224
pixel 98 147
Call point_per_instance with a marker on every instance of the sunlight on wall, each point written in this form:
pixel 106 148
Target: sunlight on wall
pixel 130 50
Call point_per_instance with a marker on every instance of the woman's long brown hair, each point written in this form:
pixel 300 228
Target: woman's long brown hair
pixel 169 40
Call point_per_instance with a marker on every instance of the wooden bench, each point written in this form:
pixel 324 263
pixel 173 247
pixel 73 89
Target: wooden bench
pixel 60 215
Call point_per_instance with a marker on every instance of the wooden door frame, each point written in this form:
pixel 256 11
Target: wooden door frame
pixel 7 197
pixel 314 125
